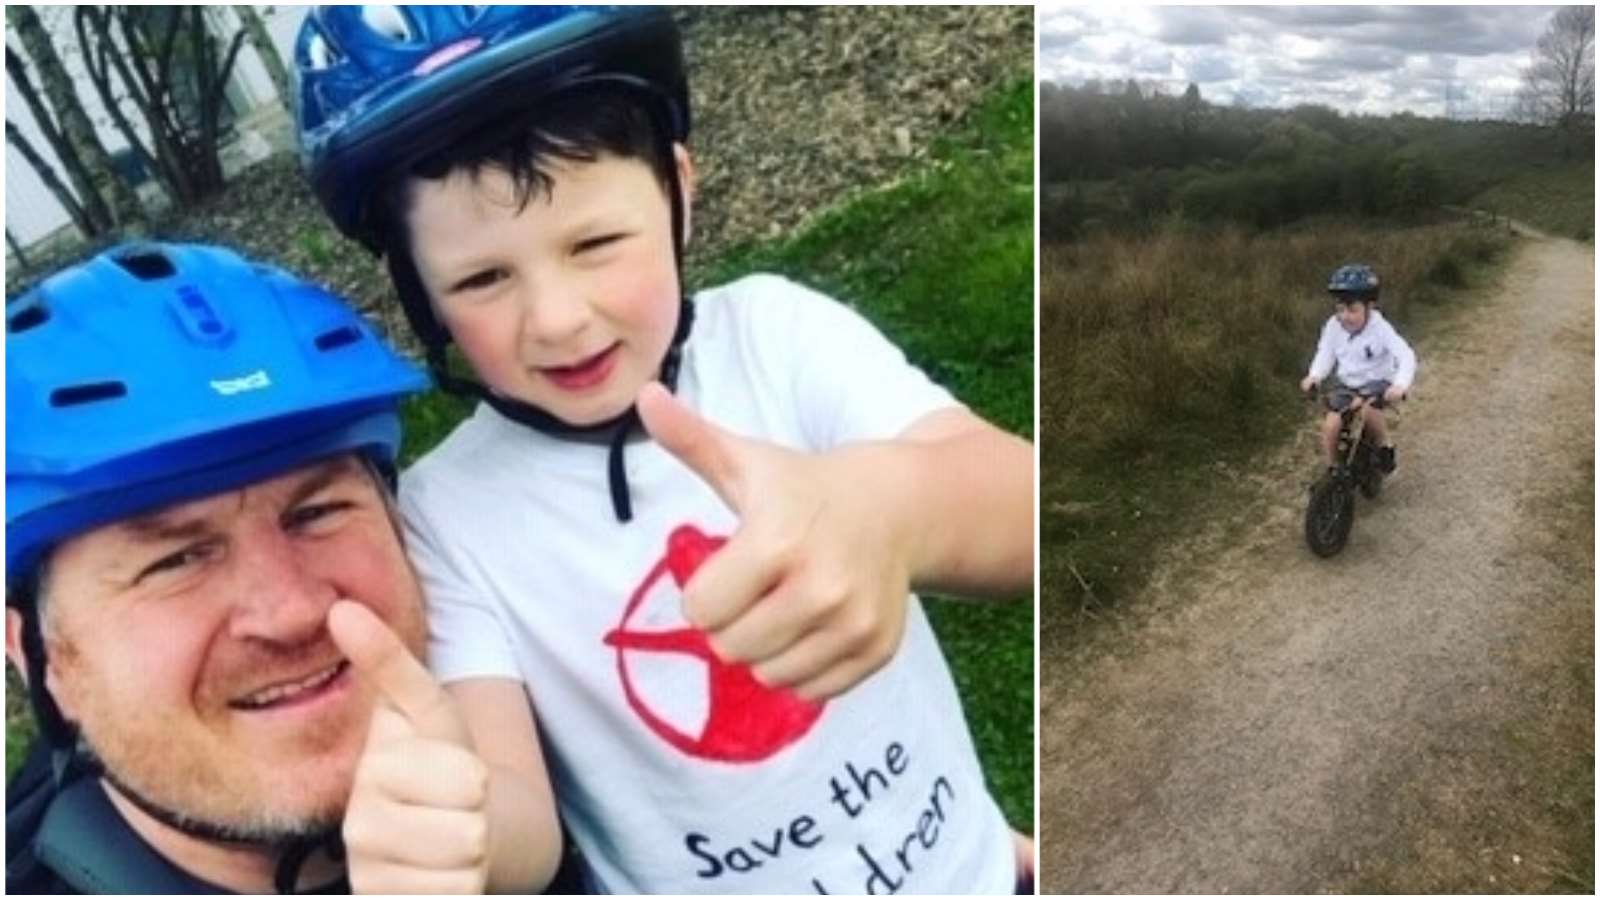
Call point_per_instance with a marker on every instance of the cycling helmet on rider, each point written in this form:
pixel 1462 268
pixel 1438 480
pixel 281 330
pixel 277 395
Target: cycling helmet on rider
pixel 153 374
pixel 1354 282
pixel 382 88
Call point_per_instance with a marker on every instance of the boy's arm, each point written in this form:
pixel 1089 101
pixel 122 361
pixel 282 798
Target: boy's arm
pixel 524 846
pixel 811 589
pixel 1406 357
pixel 1322 363
pixel 967 497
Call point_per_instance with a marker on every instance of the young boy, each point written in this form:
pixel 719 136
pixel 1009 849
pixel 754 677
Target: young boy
pixel 711 612
pixel 1371 358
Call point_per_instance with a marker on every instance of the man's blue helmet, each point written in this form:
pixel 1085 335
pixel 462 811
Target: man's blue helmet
pixel 380 87
pixel 1354 281
pixel 157 373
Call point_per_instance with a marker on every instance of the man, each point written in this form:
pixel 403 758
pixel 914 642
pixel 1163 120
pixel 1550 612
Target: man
pixel 199 456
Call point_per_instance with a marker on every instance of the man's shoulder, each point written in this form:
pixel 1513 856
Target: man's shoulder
pixel 28 797
pixel 69 839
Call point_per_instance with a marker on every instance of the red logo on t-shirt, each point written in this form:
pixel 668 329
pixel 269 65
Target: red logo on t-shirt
pixel 745 721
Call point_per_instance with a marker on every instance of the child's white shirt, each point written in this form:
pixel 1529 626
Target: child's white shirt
pixel 670 778
pixel 1375 353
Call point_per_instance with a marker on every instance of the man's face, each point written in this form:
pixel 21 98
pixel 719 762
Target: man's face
pixel 568 304
pixel 1352 314
pixel 190 646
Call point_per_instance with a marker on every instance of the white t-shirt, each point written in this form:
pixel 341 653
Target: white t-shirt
pixel 1375 353
pixel 674 773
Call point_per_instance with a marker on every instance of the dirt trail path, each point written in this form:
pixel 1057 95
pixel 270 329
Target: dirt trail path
pixel 1413 715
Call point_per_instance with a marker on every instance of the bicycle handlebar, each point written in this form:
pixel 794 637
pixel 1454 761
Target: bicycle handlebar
pixel 1357 400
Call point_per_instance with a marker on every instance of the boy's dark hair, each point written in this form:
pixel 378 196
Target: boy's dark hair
pixel 1370 299
pixel 579 126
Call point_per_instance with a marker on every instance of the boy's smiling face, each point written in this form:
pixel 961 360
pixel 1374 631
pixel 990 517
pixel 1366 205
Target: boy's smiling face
pixel 569 303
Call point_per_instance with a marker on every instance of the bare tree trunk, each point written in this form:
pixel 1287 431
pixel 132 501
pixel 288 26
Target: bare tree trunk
pixel 96 215
pixel 100 53
pixel 175 72
pixel 261 42
pixel 149 93
pixel 11 242
pixel 211 73
pixel 210 93
pixel 75 125
pixel 47 174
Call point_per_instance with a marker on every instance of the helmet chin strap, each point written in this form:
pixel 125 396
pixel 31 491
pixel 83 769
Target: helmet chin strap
pixel 620 427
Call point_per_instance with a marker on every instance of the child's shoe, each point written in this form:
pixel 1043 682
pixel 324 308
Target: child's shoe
pixel 1386 461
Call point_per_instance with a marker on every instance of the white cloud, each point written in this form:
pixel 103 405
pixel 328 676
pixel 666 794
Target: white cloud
pixel 1370 59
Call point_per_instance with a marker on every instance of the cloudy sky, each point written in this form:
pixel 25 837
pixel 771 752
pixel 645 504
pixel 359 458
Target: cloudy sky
pixel 1370 59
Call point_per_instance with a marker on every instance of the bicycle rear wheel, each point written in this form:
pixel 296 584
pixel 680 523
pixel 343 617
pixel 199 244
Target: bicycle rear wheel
pixel 1329 515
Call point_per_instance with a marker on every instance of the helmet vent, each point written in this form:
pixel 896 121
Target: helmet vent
pixel 338 337
pixel 321 53
pixel 387 21
pixel 31 317
pixel 147 265
pixel 79 394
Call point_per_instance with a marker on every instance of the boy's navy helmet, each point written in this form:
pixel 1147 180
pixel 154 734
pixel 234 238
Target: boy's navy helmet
pixel 1355 280
pixel 381 87
pixel 158 373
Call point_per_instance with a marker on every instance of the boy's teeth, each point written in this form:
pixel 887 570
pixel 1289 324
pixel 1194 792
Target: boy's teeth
pixel 278 692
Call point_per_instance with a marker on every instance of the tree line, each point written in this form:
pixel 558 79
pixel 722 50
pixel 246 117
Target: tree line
pixel 1115 154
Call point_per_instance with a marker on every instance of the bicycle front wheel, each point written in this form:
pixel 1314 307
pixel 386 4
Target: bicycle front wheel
pixel 1329 515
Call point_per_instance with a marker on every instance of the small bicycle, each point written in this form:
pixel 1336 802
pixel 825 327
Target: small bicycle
pixel 1332 510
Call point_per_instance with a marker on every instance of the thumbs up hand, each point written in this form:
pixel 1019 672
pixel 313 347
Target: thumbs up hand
pixel 811 589
pixel 417 820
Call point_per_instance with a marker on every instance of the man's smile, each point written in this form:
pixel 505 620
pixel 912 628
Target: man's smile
pixel 295 691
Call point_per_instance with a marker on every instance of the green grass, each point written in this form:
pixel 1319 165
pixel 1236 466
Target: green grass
pixel 1170 361
pixel 1558 198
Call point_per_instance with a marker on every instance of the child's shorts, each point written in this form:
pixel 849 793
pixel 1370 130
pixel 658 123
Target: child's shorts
pixel 1341 396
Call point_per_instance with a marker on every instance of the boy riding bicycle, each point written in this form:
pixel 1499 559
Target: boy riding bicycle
pixel 1372 360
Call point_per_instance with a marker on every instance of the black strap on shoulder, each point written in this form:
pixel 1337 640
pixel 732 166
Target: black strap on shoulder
pixel 87 843
pixel 28 797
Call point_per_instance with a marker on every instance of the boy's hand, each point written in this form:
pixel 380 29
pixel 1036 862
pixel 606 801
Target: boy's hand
pixel 417 820
pixel 1307 384
pixel 1394 394
pixel 811 589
